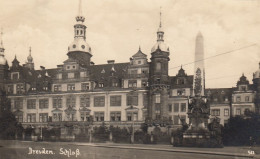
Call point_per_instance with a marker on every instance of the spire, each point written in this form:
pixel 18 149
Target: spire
pixel 29 58
pixel 80 17
pixel 160 31
pixel 160 17
pixel 2 49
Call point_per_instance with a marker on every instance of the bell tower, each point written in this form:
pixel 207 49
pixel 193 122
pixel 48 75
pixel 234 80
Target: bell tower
pixel 159 78
pixel 79 49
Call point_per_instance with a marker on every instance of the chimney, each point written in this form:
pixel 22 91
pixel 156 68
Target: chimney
pixel 110 61
pixel 92 63
pixel 42 67
pixel 59 66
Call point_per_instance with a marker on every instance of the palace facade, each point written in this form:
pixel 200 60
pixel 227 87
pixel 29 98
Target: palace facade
pixel 79 92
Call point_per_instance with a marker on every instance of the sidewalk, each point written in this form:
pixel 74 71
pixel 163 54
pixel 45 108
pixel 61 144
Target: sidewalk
pixel 226 151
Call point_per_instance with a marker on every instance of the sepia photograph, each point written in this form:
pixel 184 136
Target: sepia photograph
pixel 129 79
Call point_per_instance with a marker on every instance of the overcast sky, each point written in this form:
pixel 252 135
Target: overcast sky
pixel 116 28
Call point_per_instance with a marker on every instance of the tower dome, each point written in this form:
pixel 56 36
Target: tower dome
pixel 79 44
pixel 160 41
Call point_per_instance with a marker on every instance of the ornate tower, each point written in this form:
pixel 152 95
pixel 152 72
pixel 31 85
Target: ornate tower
pixel 199 71
pixel 159 78
pixel 30 64
pixel 3 63
pixel 256 83
pixel 79 49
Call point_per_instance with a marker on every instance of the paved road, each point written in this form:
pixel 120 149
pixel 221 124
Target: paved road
pixel 18 149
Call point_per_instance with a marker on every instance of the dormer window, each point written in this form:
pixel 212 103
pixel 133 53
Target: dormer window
pixel 33 89
pixel 139 62
pixel 45 88
pixel 101 85
pixel 15 76
pixel 114 84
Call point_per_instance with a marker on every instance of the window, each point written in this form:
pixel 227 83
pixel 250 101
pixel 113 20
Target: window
pixel 115 100
pixel 15 76
pixel 31 118
pixel 59 76
pixel 19 88
pixel 99 101
pixel 139 62
pixel 85 86
pixel 85 116
pixel 71 75
pixel 71 101
pixel 132 100
pixel 215 112
pixel 10 89
pixel 176 107
pixel 43 103
pixel 57 116
pixel 101 85
pixel 71 87
pixel 43 117
pixel 226 112
pixel 57 88
pixel 115 116
pixel 133 72
pixel 18 104
pixel 180 81
pixel 243 88
pixel 132 83
pixel 247 99
pixel 57 102
pixel 84 101
pixel 83 74
pixel 99 116
pixel 183 118
pixel 181 92
pixel 144 83
pixel 31 104
pixel 157 112
pixel 175 120
pixel 45 88
pixel 145 100
pixel 183 107
pixel 157 98
pixel 68 67
pixel 238 111
pixel 238 99
pixel 158 66
pixel 19 118
pixel 114 84
pixel 170 107
pixel 132 116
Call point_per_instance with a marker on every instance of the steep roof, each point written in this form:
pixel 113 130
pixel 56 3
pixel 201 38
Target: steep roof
pixel 219 95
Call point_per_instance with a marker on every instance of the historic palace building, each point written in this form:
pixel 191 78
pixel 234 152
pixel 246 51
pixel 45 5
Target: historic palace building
pixel 79 92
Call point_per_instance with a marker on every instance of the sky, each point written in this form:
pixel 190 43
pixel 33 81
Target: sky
pixel 116 29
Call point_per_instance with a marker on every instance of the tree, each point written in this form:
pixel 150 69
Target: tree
pixel 240 129
pixel 8 124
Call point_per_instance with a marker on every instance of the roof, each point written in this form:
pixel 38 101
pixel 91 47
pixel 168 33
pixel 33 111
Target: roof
pixel 219 95
pixel 188 81
pixel 140 54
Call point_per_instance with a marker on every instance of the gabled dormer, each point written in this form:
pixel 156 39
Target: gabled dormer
pixel 243 83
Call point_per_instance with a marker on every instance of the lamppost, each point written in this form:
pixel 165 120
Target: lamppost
pixel 133 129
